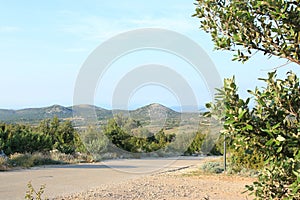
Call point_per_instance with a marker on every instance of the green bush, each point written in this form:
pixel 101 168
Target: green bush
pixel 125 139
pixel 50 134
pixel 266 136
pixel 242 158
pixel 213 167
pixel 195 146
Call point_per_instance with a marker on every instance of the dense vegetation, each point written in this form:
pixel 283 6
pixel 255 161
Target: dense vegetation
pixel 270 131
pixel 125 134
pixel 49 135
pixel 55 140
pixel 268 135
pixel 122 135
pixel 248 26
pixel 206 141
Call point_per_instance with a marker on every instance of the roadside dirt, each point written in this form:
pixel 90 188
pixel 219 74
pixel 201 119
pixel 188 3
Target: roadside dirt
pixel 173 185
pixel 127 179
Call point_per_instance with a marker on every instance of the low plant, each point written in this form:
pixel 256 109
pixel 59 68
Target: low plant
pixel 245 159
pixel 213 167
pixel 29 160
pixel 245 172
pixel 32 194
pixel 70 158
pixel 3 164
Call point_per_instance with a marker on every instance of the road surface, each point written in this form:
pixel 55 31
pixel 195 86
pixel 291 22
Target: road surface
pixel 67 179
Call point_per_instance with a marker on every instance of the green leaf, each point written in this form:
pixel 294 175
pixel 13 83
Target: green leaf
pixel 276 125
pixel 280 138
pixel 241 114
pixel 228 122
pixel 249 127
pixel 279 149
pixel 270 142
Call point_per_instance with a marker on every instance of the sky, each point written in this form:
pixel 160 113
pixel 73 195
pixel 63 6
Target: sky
pixel 44 44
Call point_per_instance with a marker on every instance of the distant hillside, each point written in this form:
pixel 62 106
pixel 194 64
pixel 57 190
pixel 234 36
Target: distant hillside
pixel 153 112
pixel 33 115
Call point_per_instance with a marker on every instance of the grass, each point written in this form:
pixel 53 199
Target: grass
pixel 243 172
pixel 28 160
pixel 216 166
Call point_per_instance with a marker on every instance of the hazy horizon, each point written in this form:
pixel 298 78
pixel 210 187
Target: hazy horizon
pixel 184 108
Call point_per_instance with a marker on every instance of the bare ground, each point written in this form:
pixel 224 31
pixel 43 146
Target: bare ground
pixel 174 185
pixel 149 179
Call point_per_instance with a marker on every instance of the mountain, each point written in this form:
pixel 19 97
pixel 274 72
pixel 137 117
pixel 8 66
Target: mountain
pixel 84 110
pixel 153 112
pixel 33 115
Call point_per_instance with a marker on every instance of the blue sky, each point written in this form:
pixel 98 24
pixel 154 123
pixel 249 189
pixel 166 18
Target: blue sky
pixel 43 45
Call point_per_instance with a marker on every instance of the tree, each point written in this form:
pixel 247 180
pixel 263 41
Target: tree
pixel 22 139
pixel 269 131
pixel 248 26
pixel 63 135
pixel 137 141
pixel 272 128
pixel 196 145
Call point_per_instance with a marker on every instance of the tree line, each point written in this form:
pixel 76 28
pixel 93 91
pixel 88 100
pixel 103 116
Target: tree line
pixel 48 135
pixel 121 132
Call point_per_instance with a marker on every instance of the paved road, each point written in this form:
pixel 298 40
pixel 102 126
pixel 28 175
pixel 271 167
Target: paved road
pixel 65 179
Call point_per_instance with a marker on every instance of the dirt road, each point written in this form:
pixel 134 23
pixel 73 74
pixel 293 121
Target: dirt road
pixel 67 179
pixel 170 186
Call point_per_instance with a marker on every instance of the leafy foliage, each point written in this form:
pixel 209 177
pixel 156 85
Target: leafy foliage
pixel 128 135
pixel 205 143
pixel 248 26
pixel 50 134
pixel 94 140
pixel 62 134
pixel 196 145
pixel 20 138
pixel 271 130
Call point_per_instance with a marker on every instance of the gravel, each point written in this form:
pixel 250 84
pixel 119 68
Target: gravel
pixel 175 185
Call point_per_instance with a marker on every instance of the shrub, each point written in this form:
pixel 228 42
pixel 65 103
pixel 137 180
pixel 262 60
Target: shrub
pixel 60 157
pixel 29 160
pixel 242 159
pixel 266 135
pixel 3 164
pixel 32 194
pixel 213 167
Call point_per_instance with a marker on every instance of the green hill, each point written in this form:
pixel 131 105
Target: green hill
pixel 150 114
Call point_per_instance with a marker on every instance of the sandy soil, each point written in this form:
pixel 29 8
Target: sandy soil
pixel 152 178
pixel 174 185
